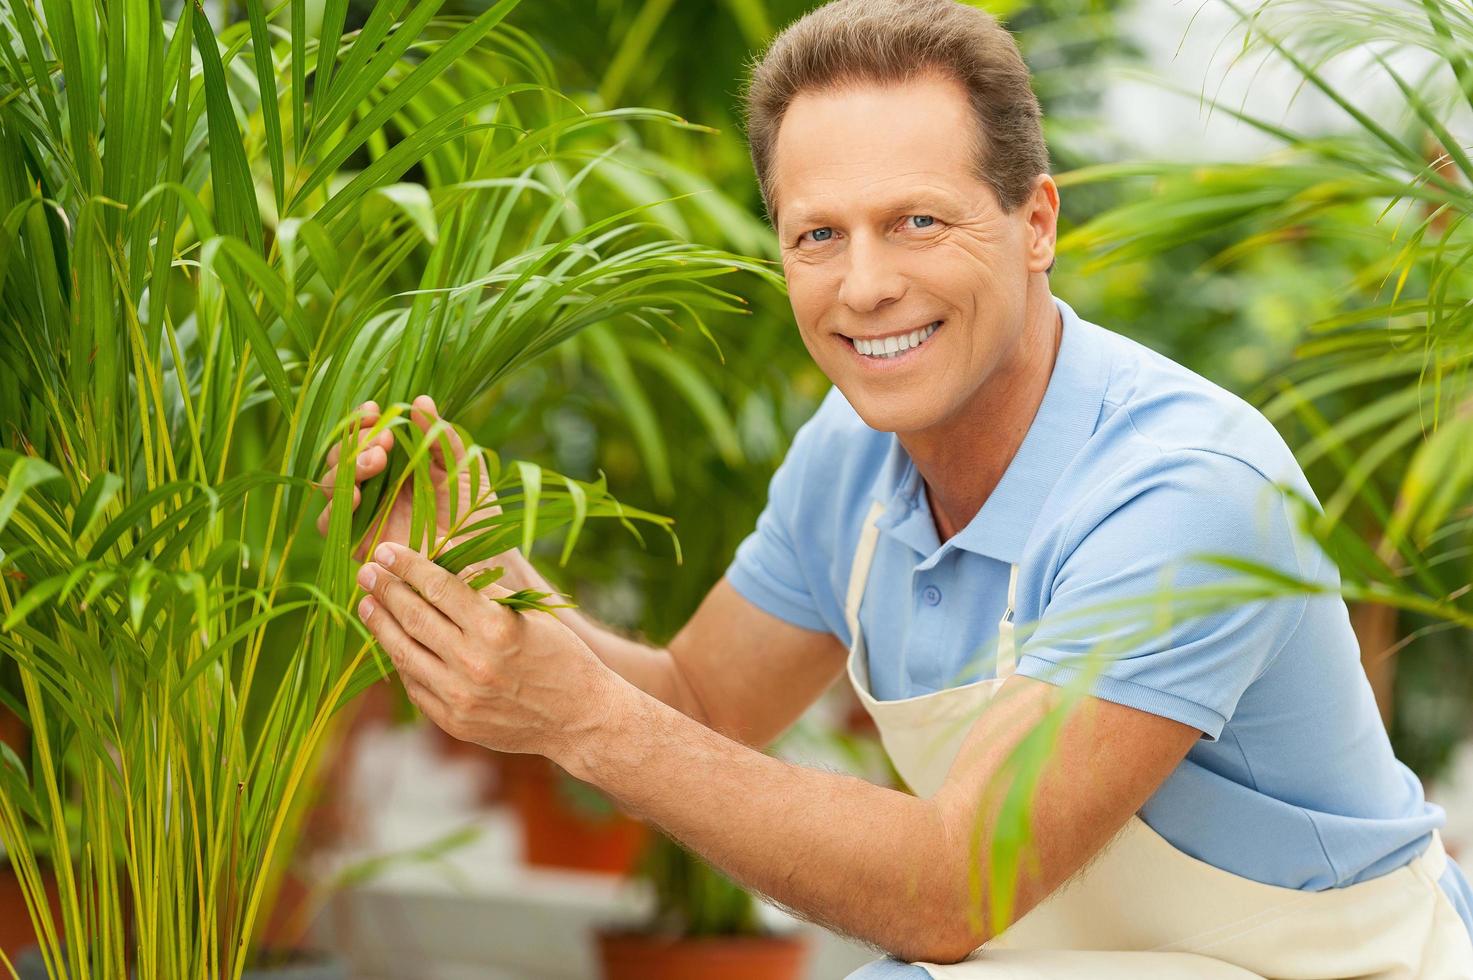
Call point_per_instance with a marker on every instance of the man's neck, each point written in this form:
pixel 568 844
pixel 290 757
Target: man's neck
pixel 963 459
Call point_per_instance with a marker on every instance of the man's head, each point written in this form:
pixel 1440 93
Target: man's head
pixel 900 154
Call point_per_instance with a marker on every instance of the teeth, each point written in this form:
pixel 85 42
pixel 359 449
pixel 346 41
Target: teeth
pixel 891 346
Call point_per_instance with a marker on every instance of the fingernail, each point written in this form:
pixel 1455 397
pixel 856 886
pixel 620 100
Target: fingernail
pixel 384 556
pixel 432 404
pixel 366 607
pixel 367 576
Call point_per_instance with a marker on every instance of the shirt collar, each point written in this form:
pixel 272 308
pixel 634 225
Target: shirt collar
pixel 1064 422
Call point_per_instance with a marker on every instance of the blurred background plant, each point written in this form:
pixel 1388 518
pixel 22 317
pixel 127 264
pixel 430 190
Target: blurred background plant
pixel 1357 241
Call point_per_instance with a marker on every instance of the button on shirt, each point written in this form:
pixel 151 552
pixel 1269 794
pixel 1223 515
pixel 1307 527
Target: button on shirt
pixel 1132 469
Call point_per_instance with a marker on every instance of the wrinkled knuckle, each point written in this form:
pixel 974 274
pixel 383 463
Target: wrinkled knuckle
pixel 481 671
pixel 459 709
pixel 436 591
pixel 415 621
pixel 495 633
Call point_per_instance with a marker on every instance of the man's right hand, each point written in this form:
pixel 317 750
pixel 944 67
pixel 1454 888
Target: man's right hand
pixel 394 525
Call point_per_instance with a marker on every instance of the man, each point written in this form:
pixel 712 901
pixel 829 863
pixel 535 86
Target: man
pixel 989 472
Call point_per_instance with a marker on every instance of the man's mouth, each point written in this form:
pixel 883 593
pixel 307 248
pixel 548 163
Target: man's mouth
pixel 894 346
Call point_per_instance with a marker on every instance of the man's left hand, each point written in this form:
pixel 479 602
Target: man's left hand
pixel 485 673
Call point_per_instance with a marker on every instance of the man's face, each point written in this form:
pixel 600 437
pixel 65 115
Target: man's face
pixel 886 232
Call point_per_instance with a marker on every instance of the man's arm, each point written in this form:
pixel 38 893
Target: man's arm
pixel 732 667
pixel 880 865
pixel 883 866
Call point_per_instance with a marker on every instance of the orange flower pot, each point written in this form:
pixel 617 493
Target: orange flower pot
pixel 627 955
pixel 13 732
pixel 16 930
pixel 555 833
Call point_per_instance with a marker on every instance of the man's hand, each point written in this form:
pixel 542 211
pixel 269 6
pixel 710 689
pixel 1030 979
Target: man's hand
pixel 517 682
pixel 394 525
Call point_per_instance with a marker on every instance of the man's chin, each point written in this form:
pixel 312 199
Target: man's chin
pixel 910 410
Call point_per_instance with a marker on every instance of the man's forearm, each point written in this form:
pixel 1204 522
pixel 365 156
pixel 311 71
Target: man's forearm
pixel 651 669
pixel 874 863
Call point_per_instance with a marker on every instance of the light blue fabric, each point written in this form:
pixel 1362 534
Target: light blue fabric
pixel 1132 468
pixel 889 968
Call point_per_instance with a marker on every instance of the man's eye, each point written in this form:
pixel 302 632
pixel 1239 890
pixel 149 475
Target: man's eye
pixel 922 220
pixel 820 234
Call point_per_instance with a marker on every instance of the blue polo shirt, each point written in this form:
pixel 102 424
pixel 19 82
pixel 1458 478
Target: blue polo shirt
pixel 1132 468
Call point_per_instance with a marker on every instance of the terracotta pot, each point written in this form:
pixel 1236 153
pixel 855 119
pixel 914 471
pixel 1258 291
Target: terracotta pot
pixel 296 965
pixel 641 956
pixel 16 931
pixel 332 818
pixel 281 966
pixel 557 834
pixel 290 914
pixel 14 733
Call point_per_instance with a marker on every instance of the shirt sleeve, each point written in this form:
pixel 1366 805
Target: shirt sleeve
pixel 1162 630
pixel 767 569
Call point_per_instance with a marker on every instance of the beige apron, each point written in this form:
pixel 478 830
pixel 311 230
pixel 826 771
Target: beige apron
pixel 1143 908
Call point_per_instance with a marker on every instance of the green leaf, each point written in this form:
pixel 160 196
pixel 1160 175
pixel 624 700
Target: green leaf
pixel 266 85
pixel 138 593
pixel 100 492
pixel 412 199
pixel 235 192
pixel 531 475
pixel 580 513
pixel 33 598
pixel 524 600
pixel 485 577
pixel 26 473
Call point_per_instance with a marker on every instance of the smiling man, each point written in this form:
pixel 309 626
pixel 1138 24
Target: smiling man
pixel 988 474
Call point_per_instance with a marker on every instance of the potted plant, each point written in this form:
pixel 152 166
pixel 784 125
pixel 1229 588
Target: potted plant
pixel 208 253
pixel 16 931
pixel 704 926
pixel 567 823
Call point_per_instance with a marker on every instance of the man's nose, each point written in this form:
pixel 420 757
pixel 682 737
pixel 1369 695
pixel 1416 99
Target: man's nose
pixel 873 278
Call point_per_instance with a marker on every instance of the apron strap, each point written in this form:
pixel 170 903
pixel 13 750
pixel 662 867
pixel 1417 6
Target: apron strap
pixel 864 555
pixel 1007 653
pixel 859 571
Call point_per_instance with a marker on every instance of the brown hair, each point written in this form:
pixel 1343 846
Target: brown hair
pixel 895 40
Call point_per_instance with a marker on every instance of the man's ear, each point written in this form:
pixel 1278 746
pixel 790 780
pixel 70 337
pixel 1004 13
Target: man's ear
pixel 1043 223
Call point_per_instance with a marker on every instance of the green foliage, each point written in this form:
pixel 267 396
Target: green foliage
pixel 214 240
pixel 692 899
pixel 1378 399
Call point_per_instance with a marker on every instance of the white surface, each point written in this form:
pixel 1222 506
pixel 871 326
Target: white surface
pixel 1454 793
pixel 1197 45
pixel 478 911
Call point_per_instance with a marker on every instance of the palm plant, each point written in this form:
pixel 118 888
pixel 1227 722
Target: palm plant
pixel 214 240
pixel 1378 399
